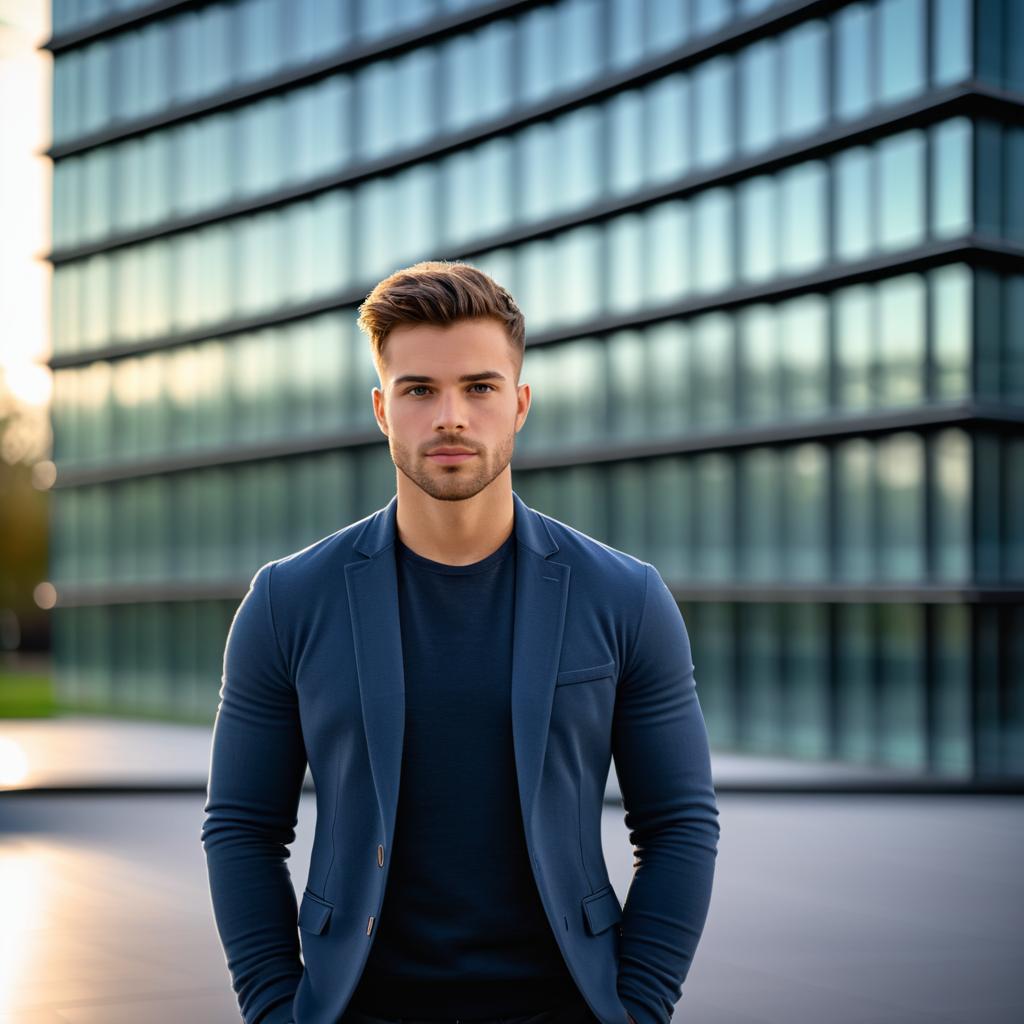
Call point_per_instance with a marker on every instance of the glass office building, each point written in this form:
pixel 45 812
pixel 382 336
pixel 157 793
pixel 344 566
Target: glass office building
pixel 771 255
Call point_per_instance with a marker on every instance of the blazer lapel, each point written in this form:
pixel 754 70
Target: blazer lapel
pixel 541 593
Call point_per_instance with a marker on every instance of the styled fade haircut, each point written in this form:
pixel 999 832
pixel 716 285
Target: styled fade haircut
pixel 439 292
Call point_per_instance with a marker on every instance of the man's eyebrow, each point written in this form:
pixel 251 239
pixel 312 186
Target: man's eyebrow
pixel 410 378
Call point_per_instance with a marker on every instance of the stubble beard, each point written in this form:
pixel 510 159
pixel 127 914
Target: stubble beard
pixel 457 481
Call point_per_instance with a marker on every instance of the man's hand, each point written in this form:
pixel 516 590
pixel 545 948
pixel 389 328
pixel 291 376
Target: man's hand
pixel 630 1016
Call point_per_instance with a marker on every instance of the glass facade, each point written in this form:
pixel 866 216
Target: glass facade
pixel 773 272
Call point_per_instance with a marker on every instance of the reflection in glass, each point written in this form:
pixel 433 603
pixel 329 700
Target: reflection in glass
pixel 901 507
pixel 950 293
pixel 758 364
pixel 902 710
pixel 628 373
pixel 855 681
pixel 671 515
pixel 901 305
pixel 759 551
pixel 669 382
pixel 714 543
pixel 854 514
pixel 711 340
pixel 803 333
pixel 806 511
pixel 854 347
pixel 805 666
pixel 951 505
pixel 950 685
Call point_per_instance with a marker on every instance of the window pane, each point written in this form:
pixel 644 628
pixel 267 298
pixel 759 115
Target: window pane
pixel 951 505
pixel 951 39
pixel 713 211
pixel 667 227
pixel 901 340
pixel 803 78
pixel 667 129
pixel 951 331
pixel 804 196
pixel 951 177
pixel 713 361
pixel 625 265
pixel 853 64
pixel 855 547
pixel 760 508
pixel 626 126
pixel 669 386
pixel 759 259
pixel 853 204
pixel 713 85
pixel 714 541
pixel 854 349
pixel 806 512
pixel 758 69
pixel 901 28
pixel 901 173
pixel 803 331
pixel 759 364
pixel 902 714
pixel 901 507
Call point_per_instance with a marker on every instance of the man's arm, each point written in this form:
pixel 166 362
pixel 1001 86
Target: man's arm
pixel 660 747
pixel 257 764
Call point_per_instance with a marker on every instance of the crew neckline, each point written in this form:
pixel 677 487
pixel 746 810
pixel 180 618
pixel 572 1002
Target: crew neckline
pixel 485 563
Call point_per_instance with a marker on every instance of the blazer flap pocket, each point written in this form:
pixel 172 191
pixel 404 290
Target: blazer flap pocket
pixel 314 913
pixel 582 675
pixel 601 910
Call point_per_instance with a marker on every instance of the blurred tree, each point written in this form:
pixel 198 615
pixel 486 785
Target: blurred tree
pixel 24 518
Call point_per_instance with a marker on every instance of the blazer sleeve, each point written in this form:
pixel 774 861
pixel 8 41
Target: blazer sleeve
pixel 257 765
pixel 662 760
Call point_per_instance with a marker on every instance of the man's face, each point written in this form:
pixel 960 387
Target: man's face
pixel 425 404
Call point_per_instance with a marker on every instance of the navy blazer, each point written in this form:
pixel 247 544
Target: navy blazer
pixel 601 668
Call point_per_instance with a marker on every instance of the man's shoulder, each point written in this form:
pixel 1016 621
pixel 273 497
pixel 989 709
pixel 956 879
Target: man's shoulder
pixel 325 554
pixel 586 553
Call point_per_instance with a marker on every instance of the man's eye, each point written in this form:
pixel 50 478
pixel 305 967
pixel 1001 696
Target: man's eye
pixel 417 387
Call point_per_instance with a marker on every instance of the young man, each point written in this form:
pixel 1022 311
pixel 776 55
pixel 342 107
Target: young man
pixel 459 670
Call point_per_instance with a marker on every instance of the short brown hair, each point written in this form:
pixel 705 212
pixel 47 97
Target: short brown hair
pixel 439 292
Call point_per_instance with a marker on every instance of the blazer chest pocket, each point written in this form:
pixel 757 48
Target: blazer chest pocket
pixel 586 674
pixel 314 913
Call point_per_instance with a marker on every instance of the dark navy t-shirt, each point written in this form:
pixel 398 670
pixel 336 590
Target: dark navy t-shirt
pixel 462 931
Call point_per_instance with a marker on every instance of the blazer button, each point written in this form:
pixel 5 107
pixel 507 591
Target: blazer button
pixel 380 856
pixel 369 925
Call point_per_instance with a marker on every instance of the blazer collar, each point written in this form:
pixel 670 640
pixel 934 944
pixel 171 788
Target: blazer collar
pixel 531 531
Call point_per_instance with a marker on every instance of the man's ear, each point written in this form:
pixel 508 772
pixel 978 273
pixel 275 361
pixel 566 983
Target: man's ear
pixel 377 397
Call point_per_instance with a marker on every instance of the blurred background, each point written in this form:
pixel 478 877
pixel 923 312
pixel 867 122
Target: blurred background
pixel 771 258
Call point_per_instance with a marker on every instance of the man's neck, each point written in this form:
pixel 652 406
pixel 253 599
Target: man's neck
pixel 455 532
